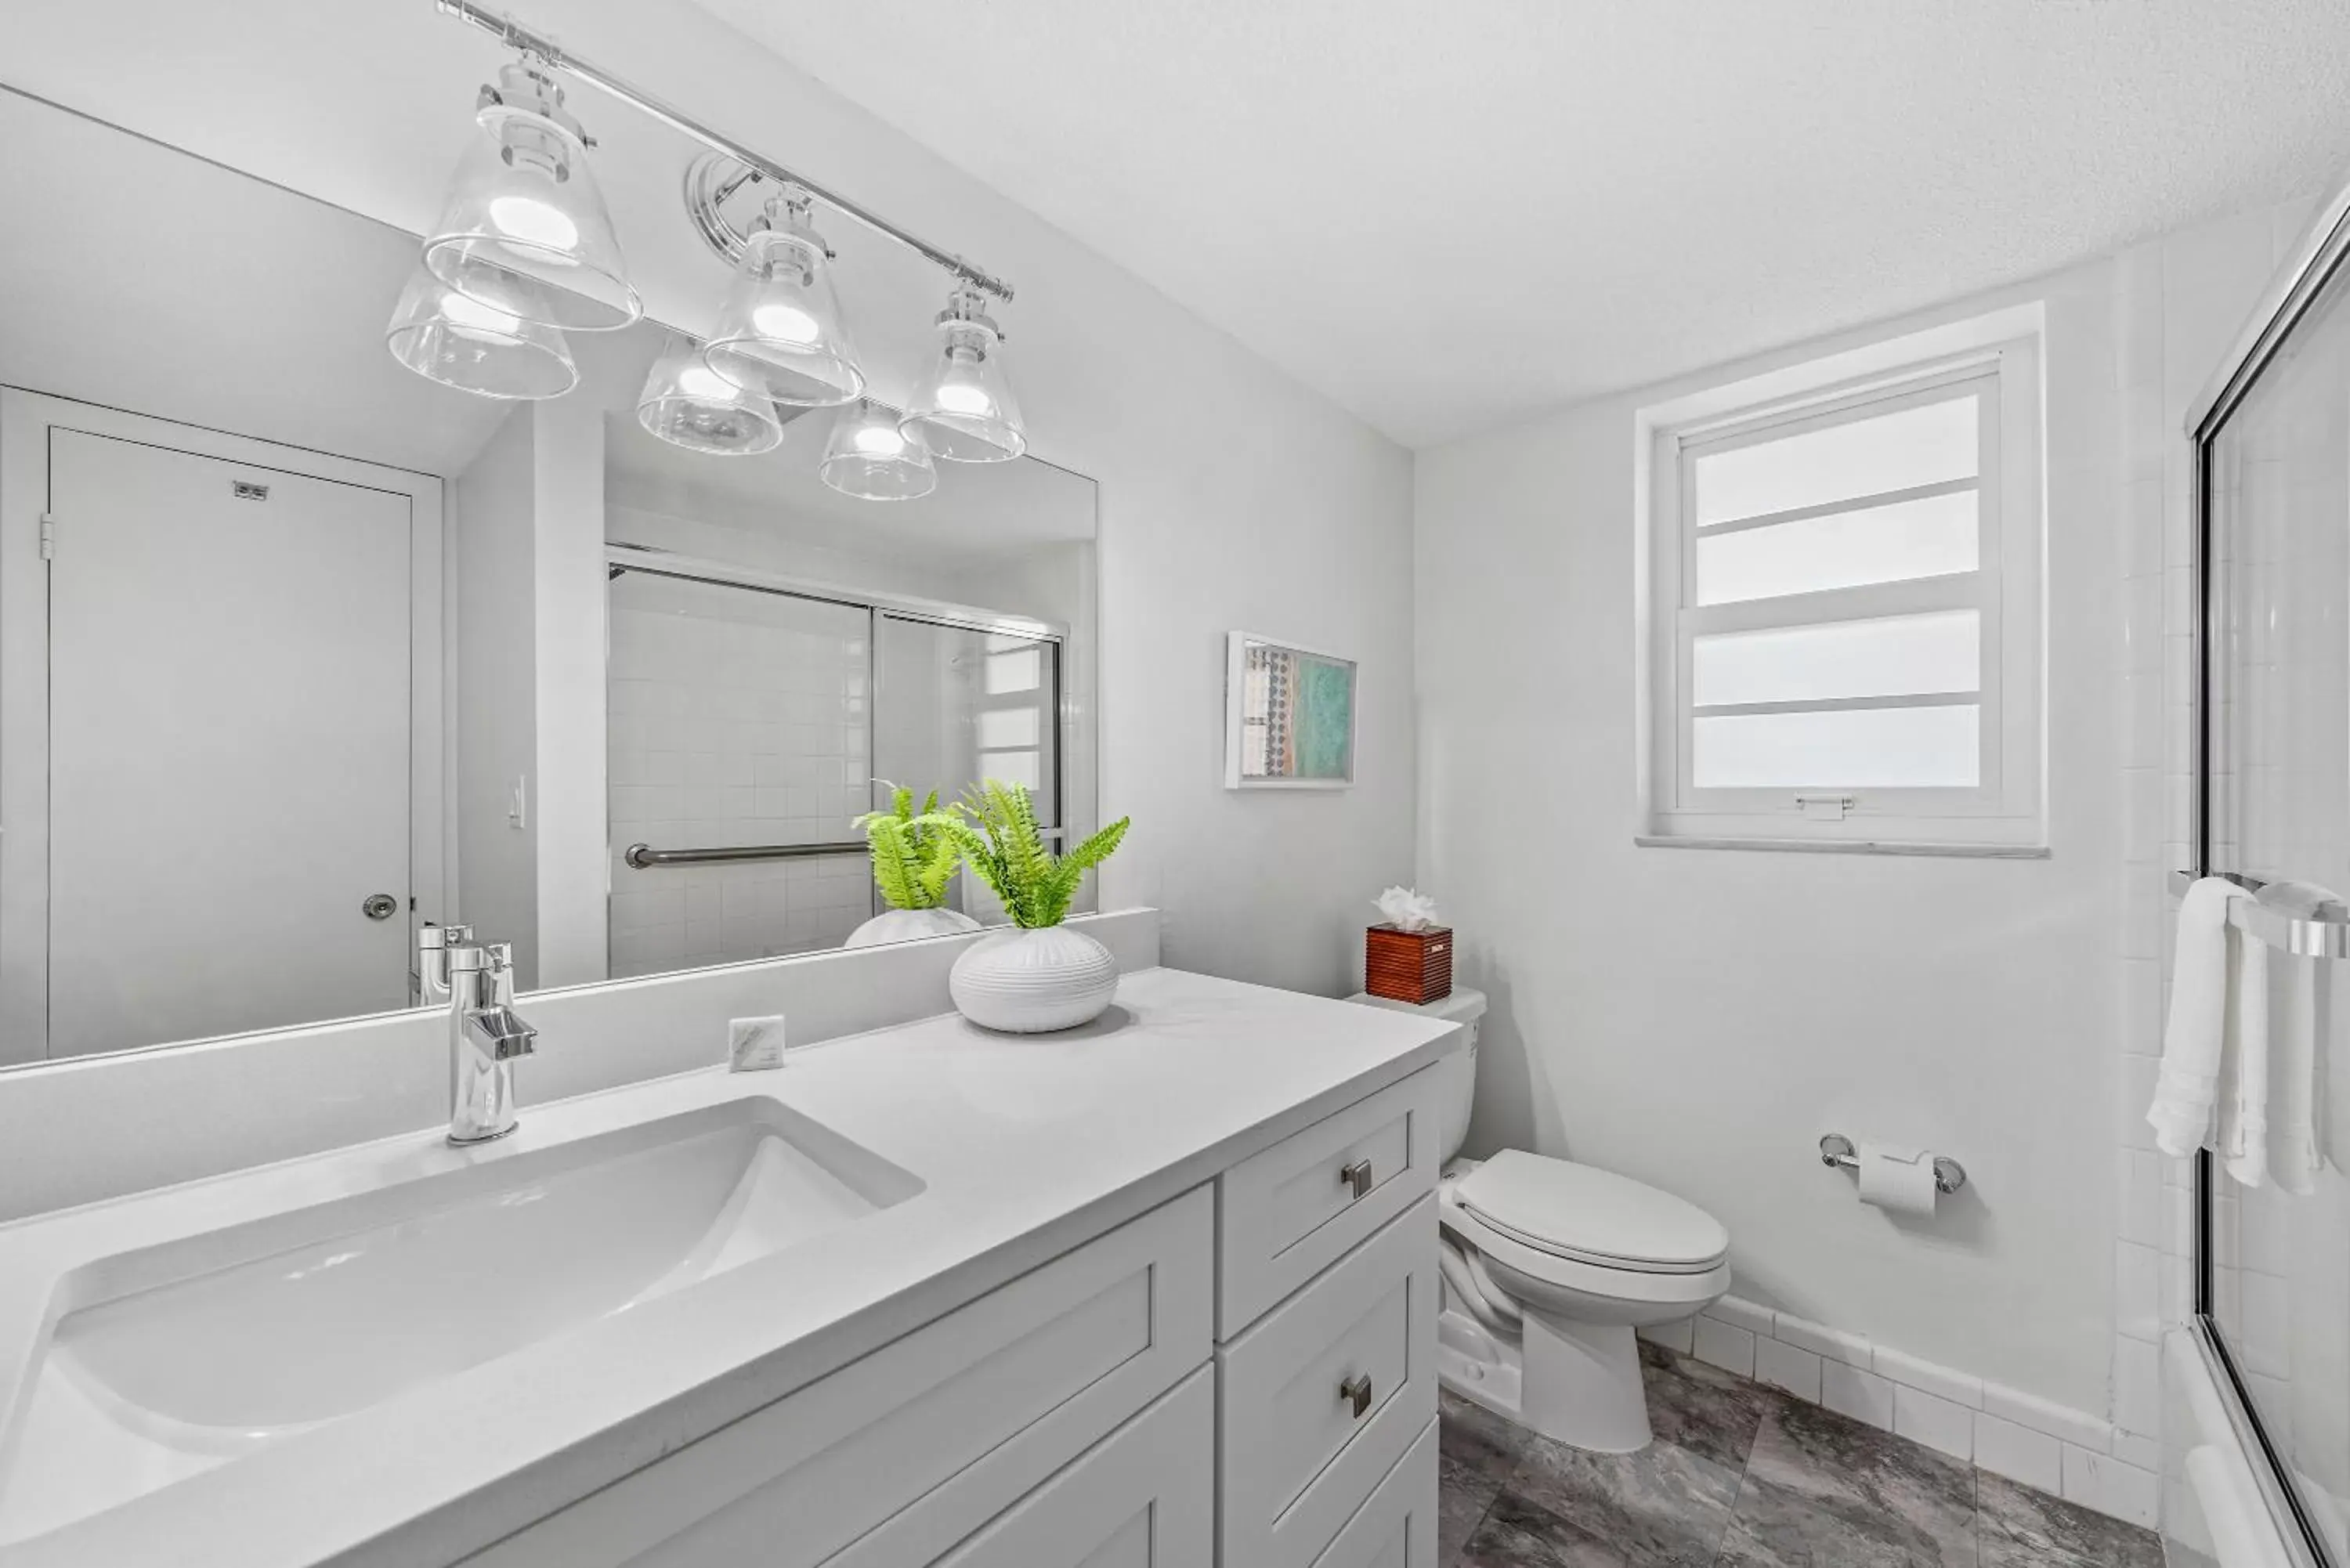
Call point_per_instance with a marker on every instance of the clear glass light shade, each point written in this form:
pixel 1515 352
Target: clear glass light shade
pixel 780 333
pixel 688 404
pixel 964 407
pixel 525 230
pixel 460 342
pixel 872 457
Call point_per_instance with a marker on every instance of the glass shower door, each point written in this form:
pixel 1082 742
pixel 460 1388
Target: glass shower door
pixel 2275 1278
pixel 737 720
pixel 955 706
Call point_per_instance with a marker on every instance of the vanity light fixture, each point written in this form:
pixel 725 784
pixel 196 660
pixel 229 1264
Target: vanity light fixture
pixel 525 230
pixel 963 406
pixel 780 333
pixel 525 250
pixel 870 456
pixel 686 403
pixel 460 342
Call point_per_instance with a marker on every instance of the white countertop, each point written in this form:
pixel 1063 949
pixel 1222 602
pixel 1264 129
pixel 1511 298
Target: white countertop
pixel 1026 1147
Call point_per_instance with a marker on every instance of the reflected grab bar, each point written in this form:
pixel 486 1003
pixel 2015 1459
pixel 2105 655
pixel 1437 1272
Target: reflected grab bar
pixel 2298 917
pixel 644 857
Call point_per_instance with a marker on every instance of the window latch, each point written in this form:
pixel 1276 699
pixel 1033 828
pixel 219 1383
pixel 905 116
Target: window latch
pixel 1824 807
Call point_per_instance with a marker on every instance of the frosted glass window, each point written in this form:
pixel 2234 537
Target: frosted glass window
pixel 1909 539
pixel 1850 748
pixel 1003 728
pixel 1927 444
pixel 1893 655
pixel 1017 671
pixel 1011 767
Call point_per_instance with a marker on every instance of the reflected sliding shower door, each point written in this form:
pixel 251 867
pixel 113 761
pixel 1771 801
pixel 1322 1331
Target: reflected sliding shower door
pixel 2273 1265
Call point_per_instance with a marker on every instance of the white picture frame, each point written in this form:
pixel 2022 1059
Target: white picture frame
pixel 1280 723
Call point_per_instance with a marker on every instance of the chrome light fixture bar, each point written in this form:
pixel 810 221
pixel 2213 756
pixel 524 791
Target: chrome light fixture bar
pixel 516 35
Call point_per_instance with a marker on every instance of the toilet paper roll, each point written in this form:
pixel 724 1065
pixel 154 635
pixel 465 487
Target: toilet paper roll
pixel 1898 1180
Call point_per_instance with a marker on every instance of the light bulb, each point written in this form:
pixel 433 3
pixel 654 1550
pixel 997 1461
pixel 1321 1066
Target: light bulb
pixel 961 398
pixel 879 440
pixel 701 381
pixel 524 218
pixel 784 324
pixel 466 314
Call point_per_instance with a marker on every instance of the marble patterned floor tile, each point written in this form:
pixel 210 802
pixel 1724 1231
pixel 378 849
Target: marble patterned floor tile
pixel 1711 1413
pixel 1663 1506
pixel 1477 1439
pixel 2021 1528
pixel 1795 1535
pixel 1821 1488
pixel 1515 1533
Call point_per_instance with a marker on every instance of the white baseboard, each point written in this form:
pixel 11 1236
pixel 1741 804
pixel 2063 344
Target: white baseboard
pixel 2062 1451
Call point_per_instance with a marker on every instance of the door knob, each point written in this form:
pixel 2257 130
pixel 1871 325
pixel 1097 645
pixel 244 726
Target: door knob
pixel 379 907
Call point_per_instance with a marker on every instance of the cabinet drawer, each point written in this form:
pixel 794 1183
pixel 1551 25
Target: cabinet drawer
pixel 1295 1458
pixel 1285 1215
pixel 1396 1528
pixel 962 1416
pixel 1144 1496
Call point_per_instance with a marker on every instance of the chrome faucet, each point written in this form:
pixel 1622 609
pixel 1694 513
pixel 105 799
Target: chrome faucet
pixel 433 945
pixel 486 1035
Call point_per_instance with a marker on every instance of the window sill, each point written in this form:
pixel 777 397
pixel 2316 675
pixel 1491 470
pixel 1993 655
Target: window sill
pixel 1849 847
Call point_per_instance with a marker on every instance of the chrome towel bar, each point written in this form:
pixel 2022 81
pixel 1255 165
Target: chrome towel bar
pixel 644 857
pixel 2298 917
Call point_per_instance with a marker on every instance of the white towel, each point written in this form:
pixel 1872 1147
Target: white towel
pixel 2244 1087
pixel 2294 1155
pixel 2186 1089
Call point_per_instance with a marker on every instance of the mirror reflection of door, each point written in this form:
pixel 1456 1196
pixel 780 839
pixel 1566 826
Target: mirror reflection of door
pixel 228 747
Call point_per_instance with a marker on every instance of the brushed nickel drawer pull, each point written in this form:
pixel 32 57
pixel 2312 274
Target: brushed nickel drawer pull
pixel 1356 1391
pixel 1357 1175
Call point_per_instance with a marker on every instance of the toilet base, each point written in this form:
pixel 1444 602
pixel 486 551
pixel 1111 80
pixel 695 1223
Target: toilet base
pixel 1581 1384
pixel 1577 1383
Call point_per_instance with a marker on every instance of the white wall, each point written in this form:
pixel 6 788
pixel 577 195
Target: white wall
pixel 494 690
pixel 1231 496
pixel 1700 1018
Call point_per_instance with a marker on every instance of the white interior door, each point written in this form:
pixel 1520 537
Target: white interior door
pixel 229 746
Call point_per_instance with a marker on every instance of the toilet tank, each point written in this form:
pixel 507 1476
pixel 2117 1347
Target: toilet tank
pixel 1466 1008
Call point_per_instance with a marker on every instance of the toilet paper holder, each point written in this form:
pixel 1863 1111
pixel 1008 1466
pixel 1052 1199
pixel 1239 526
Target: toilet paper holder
pixel 1836 1149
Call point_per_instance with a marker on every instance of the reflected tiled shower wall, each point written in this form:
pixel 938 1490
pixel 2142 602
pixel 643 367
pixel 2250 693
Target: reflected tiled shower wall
pixel 2179 303
pixel 737 717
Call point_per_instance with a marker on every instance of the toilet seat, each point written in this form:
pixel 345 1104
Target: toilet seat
pixel 1581 1214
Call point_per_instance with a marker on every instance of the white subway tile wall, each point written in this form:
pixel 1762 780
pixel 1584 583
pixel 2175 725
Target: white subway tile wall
pixel 736 718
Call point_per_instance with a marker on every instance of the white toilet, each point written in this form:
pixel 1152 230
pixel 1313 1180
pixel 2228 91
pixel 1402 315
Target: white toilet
pixel 1549 1267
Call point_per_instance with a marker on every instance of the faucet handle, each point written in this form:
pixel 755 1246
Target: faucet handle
pixel 483 957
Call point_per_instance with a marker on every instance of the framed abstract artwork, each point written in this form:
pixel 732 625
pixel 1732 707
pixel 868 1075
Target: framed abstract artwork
pixel 1289 716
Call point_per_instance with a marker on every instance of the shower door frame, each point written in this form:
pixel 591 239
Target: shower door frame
pixel 1076 817
pixel 2321 254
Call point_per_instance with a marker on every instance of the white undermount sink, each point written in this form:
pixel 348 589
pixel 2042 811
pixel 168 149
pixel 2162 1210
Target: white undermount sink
pixel 193 1352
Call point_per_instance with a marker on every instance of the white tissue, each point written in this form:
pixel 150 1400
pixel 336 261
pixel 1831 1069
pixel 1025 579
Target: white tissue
pixel 755 1044
pixel 1898 1180
pixel 1407 909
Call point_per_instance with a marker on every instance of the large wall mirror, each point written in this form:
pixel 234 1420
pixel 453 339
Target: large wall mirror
pixel 301 652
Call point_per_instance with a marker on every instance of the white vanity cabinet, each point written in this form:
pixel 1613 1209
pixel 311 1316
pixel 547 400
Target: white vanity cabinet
pixel 1243 1377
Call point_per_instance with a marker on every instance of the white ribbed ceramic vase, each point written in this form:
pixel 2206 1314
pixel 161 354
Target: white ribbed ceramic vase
pixel 909 926
pixel 1029 981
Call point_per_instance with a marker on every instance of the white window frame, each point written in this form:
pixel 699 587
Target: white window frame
pixel 2003 814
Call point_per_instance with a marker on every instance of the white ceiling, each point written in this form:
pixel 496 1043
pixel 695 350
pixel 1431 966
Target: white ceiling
pixel 1445 215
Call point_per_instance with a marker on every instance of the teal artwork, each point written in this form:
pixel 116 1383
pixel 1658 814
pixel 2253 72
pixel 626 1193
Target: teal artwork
pixel 1326 718
pixel 1291 716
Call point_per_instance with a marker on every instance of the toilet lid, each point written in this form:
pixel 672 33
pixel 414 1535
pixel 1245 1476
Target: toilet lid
pixel 1593 1216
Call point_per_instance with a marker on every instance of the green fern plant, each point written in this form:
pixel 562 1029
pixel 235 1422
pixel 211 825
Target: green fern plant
pixel 995 824
pixel 914 852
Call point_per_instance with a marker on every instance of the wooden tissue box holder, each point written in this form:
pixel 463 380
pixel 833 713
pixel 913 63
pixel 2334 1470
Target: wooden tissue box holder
pixel 1408 966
